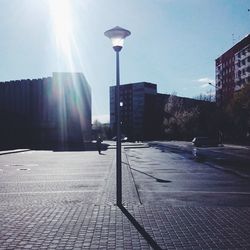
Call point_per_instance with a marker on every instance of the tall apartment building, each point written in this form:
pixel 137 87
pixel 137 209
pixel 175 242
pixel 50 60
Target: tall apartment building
pixel 232 70
pixel 49 111
pixel 134 115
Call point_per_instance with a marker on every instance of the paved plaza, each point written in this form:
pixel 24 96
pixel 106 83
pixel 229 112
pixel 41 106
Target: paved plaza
pixel 66 200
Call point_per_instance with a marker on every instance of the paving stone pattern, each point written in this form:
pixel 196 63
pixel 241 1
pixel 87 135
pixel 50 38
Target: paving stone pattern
pixel 106 227
pixel 129 192
pixel 81 214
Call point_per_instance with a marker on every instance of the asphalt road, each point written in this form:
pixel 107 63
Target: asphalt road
pixel 174 177
pixel 235 159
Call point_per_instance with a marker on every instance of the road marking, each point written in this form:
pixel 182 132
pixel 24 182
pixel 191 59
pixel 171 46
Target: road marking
pixel 66 174
pixel 50 181
pixel 52 192
pixel 202 192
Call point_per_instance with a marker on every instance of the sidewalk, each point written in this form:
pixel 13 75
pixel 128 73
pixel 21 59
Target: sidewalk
pixel 103 225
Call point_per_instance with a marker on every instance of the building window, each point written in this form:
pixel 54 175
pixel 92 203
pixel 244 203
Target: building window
pixel 243 62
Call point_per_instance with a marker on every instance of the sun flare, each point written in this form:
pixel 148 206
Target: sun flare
pixel 62 24
pixel 61 16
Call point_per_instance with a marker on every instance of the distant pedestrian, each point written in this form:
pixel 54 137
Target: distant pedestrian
pixel 99 144
pixel 220 137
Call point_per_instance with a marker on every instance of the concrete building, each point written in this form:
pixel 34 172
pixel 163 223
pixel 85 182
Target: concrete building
pixel 53 111
pixel 143 110
pixel 232 70
pixel 133 110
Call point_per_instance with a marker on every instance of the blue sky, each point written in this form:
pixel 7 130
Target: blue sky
pixel 173 43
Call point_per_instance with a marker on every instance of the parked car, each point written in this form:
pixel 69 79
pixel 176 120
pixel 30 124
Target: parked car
pixel 205 142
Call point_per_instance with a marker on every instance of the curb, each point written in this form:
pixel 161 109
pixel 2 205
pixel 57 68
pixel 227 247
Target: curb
pixel 227 170
pixel 13 151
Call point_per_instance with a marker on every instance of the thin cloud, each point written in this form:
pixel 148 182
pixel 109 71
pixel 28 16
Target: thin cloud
pixel 205 82
pixel 204 85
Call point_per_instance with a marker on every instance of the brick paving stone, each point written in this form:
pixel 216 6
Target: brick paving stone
pixel 120 232
pixel 129 192
pixel 96 223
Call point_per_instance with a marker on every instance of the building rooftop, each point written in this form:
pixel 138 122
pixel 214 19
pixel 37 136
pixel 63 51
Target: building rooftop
pixel 242 43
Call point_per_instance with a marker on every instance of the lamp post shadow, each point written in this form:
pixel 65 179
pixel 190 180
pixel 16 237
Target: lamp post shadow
pixel 140 229
pixel 149 175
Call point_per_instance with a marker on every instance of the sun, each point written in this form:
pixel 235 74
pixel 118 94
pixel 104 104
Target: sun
pixel 62 26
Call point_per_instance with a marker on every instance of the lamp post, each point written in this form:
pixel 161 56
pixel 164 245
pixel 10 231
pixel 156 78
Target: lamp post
pixel 117 36
pixel 216 89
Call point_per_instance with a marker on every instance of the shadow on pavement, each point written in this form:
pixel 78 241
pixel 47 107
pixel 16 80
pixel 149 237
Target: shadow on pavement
pixel 140 229
pixel 157 179
pixel 88 146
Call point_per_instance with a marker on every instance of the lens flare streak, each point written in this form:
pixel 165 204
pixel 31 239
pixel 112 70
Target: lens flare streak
pixel 67 56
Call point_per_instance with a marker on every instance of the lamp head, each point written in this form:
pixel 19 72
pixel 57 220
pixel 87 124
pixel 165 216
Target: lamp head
pixel 117 36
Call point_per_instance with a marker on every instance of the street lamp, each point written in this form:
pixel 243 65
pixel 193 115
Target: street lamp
pixel 216 87
pixel 117 36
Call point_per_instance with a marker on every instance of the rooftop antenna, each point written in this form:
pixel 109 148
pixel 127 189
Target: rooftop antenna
pixel 233 38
